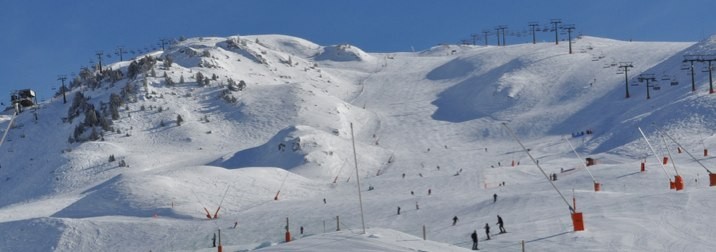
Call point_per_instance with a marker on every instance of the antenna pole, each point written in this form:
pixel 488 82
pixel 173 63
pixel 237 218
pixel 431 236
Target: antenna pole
pixel 360 198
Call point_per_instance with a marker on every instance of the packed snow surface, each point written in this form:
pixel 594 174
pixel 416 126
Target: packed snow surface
pixel 429 134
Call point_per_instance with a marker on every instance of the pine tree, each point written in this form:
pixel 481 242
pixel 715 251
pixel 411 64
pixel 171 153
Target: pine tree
pixel 94 136
pixel 199 78
pixel 91 118
pixel 168 62
pixel 114 102
pixel 179 120
pixel 169 81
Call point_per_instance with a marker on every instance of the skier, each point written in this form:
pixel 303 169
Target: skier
pixel 474 240
pixel 235 224
pixel 403 175
pixel 454 220
pixel 487 230
pixel 417 207
pixel 398 210
pixel 494 198
pixel 501 225
pixel 301 230
pixel 430 191
pixel 324 201
pixel 412 193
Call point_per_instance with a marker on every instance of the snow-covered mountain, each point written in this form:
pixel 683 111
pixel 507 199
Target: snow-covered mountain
pixel 262 127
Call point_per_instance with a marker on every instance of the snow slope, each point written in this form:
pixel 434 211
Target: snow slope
pixel 426 121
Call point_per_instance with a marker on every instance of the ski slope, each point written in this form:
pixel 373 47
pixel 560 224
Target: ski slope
pixel 430 120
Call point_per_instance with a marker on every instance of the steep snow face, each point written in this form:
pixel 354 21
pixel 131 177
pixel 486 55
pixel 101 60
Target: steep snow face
pixel 309 152
pixel 267 133
pixel 343 52
pixel 539 86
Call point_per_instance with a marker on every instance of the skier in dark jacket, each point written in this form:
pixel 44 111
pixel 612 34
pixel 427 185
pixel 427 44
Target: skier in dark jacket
pixel 474 240
pixel 501 225
pixel 454 220
pixel 398 210
pixel 487 230
pixel 494 198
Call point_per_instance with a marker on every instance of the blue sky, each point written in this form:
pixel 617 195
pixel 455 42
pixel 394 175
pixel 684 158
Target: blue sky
pixel 44 39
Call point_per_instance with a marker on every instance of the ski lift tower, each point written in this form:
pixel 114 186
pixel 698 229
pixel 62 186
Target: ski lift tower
pixel 691 59
pixel 556 23
pixel 569 28
pixel 533 25
pixel 624 69
pixel 63 78
pixel 709 59
pixel 647 78
pixel 485 33
pixel 475 37
pixel 502 28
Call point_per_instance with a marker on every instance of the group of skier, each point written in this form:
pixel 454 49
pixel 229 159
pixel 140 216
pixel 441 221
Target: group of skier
pixel 474 236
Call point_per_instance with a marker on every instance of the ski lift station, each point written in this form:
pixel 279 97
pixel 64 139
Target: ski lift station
pixel 23 98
